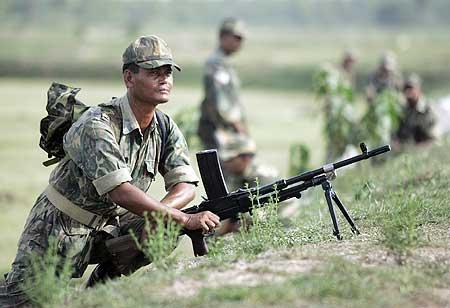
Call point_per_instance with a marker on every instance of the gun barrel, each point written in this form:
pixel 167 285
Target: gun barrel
pixel 330 167
pixel 365 155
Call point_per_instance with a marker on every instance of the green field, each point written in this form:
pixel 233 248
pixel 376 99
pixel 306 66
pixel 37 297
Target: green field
pixel 401 259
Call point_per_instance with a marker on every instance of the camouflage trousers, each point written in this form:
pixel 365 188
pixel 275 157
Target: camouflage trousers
pixel 75 242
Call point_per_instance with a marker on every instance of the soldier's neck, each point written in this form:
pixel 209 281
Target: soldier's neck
pixel 143 112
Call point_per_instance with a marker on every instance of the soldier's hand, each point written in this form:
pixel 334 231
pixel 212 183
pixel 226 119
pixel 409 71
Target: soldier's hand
pixel 206 221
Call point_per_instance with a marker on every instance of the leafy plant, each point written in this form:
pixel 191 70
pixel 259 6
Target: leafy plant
pixel 337 97
pixel 382 117
pixel 161 237
pixel 187 121
pixel 299 157
pixel 47 281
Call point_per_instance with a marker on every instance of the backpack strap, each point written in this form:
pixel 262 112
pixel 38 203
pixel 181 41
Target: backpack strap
pixel 163 127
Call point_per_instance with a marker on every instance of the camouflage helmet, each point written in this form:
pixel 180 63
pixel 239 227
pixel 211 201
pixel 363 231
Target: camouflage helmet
pixel 233 26
pixel 149 52
pixel 238 145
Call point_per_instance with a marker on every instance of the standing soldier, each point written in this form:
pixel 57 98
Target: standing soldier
pixel 222 113
pixel 222 123
pixel 418 120
pixel 97 194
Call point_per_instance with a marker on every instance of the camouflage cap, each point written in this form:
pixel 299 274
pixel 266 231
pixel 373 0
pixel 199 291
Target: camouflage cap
pixel 238 145
pixel 233 26
pixel 149 52
pixel 413 81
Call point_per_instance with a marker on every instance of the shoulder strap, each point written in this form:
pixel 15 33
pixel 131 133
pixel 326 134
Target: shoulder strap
pixel 163 127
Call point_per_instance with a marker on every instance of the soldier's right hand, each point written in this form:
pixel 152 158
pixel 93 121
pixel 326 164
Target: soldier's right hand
pixel 206 221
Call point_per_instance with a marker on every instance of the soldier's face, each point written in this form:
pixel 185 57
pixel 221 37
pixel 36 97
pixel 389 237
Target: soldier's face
pixel 151 86
pixel 412 95
pixel 231 43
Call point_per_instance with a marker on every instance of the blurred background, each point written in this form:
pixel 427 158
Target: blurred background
pixel 80 43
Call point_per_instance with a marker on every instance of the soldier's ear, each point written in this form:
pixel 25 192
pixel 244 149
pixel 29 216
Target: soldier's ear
pixel 128 78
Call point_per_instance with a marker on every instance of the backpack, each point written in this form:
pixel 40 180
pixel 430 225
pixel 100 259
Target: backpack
pixel 64 109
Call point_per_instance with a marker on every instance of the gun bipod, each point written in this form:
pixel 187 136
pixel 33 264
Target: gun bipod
pixel 330 196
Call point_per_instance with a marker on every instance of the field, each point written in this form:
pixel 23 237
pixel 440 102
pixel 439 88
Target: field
pixel 402 257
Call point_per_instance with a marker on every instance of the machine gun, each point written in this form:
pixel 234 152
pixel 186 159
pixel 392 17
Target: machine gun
pixel 226 205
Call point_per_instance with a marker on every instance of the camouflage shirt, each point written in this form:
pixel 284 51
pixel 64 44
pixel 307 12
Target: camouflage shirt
pixel 221 106
pixel 100 160
pixel 417 124
pixel 379 81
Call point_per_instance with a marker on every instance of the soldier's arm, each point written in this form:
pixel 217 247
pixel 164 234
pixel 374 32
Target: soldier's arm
pixel 179 177
pixel 136 201
pixel 101 160
pixel 179 195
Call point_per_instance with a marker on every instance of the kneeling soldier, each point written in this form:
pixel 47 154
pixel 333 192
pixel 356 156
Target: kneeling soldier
pixel 97 193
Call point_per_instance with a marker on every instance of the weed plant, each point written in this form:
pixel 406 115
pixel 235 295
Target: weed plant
pixel 264 230
pixel 161 237
pixel 47 282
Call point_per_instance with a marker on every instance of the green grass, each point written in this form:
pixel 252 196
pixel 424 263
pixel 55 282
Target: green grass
pixel 283 59
pixel 394 262
pixel 400 206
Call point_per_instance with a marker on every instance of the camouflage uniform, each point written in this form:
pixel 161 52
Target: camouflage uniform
pixel 97 161
pixel 417 124
pixel 385 77
pixel 222 106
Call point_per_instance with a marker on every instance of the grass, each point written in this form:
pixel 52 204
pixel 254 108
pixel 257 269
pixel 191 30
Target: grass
pixel 401 206
pixel 283 59
pixel 400 259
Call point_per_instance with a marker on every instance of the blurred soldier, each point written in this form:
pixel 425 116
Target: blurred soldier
pixel 335 85
pixel 347 68
pixel 386 76
pixel 222 112
pixel 97 194
pixel 418 120
pixel 241 169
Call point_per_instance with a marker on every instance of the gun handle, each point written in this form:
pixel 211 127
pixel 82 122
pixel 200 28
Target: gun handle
pixel 198 242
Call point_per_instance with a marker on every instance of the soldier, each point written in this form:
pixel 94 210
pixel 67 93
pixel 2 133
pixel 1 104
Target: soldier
pixel 98 192
pixel 418 120
pixel 222 112
pixel 347 68
pixel 240 169
pixel 386 76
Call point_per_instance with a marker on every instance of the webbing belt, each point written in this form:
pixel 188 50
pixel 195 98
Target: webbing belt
pixel 73 211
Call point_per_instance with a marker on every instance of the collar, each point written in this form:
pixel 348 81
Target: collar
pixel 129 122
